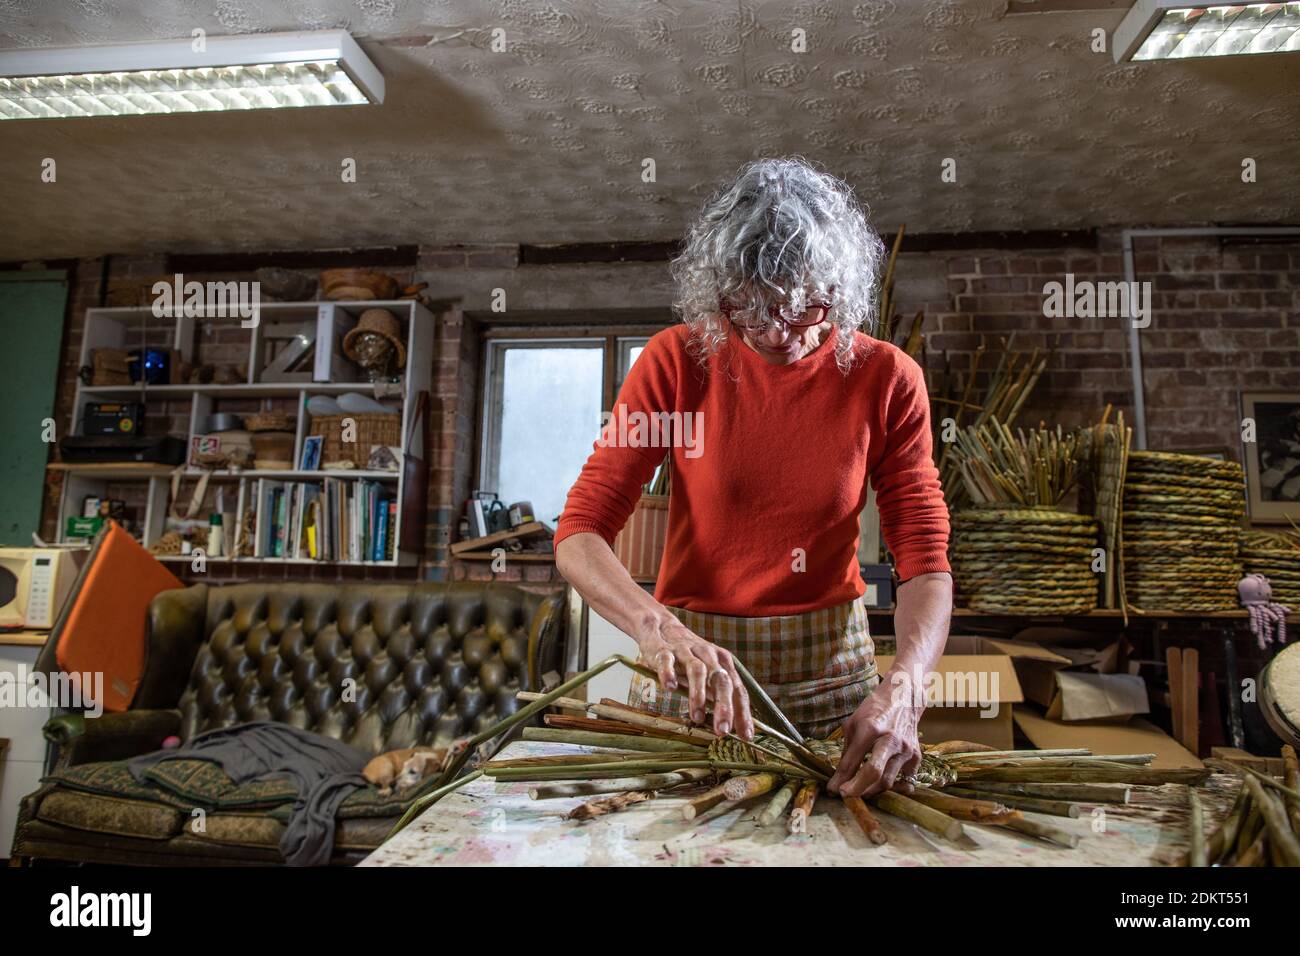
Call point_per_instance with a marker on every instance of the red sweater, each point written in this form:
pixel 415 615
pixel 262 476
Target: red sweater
pixel 763 516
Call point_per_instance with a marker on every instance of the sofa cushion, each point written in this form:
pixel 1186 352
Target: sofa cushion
pixel 112 778
pixel 237 829
pixel 120 816
pixel 204 783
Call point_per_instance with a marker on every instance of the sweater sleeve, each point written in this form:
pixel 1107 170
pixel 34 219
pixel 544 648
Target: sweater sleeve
pixel 913 514
pixel 610 484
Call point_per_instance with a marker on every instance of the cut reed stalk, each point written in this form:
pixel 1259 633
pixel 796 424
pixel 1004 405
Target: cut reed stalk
pixel 582 738
pixel 1196 852
pixel 650 781
pixel 776 806
pixel 1055 808
pixel 1281 839
pixel 631 715
pixel 598 771
pixel 803 807
pixel 928 818
pixel 980 755
pixel 569 703
pixel 704 802
pixel 1078 792
pixel 963 806
pixel 1254 855
pixel 866 820
pixel 1044 831
pixel 1250 826
pixel 598 725
pixel 1224 837
pixel 745 786
pixel 1291 777
pixel 1119 773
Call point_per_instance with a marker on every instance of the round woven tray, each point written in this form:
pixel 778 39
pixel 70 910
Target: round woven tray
pixel 1180 464
pixel 1017 517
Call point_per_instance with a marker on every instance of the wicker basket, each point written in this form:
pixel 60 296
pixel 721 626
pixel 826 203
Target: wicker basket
pixel 639 547
pixel 372 428
pixel 268 422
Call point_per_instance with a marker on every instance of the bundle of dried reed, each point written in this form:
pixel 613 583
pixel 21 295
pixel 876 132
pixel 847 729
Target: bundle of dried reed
pixel 629 755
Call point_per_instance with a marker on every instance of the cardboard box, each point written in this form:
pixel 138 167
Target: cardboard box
pixel 1085 696
pixel 970 694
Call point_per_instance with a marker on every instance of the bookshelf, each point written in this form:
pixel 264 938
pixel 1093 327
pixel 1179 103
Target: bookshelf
pixel 183 410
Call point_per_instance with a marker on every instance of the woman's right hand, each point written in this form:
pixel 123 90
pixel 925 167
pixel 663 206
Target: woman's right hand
pixel 673 650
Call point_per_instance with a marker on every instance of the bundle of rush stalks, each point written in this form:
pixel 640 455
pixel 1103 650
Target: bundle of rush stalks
pixel 629 755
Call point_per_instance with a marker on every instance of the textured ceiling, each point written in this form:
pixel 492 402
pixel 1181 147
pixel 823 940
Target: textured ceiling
pixel 544 143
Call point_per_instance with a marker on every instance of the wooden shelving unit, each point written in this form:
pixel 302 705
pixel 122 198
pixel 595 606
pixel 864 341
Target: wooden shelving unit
pixel 121 328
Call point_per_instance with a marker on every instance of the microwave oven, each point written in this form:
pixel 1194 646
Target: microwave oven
pixel 34 583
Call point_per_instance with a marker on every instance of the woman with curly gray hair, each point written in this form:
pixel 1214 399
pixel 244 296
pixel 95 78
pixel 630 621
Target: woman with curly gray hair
pixel 782 411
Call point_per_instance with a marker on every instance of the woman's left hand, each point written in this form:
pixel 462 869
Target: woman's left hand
pixel 884 726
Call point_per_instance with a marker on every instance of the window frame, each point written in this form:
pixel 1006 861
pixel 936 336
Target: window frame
pixel 489 471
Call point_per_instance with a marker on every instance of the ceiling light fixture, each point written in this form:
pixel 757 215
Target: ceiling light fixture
pixel 259 71
pixel 1161 30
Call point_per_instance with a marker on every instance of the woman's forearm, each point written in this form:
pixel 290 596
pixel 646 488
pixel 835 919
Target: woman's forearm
pixel 587 562
pixel 922 615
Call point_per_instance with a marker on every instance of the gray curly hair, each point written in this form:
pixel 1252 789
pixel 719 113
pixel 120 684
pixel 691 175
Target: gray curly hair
pixel 781 233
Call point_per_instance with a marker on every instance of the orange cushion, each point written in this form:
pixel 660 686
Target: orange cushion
pixel 104 629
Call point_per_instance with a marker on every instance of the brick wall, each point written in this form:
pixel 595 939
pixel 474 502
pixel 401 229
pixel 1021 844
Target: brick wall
pixel 1225 318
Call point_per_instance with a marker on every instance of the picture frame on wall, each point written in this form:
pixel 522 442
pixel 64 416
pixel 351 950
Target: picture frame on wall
pixel 1272 460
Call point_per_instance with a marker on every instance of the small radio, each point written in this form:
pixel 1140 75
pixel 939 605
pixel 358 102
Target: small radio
pixel 113 418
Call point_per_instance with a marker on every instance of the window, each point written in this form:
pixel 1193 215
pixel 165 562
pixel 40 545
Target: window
pixel 542 408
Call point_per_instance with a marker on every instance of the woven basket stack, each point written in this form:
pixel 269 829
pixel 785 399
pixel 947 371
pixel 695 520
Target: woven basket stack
pixel 1181 519
pixel 1276 555
pixel 1024 560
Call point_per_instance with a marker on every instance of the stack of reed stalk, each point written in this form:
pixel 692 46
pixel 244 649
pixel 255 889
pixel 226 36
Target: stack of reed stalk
pixel 1261 829
pixel 629 755
pixel 955 404
pixel 1015 551
pixel 1181 522
pixel 1276 555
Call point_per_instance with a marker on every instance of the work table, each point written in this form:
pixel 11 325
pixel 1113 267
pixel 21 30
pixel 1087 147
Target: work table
pixel 496 824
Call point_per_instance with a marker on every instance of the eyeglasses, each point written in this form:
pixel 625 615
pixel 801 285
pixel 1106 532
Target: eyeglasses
pixel 750 321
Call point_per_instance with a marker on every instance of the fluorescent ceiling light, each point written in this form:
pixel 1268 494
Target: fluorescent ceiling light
pixel 1155 30
pixel 258 71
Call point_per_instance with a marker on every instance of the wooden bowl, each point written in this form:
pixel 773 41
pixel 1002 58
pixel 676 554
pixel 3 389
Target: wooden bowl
pixel 357 284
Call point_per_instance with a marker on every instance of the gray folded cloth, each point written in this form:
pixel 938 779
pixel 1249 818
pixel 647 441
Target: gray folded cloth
pixel 325 770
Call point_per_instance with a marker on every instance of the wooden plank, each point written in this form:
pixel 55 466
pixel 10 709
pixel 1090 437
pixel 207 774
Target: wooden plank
pixel 1191 699
pixel 529 529
pixel 1174 662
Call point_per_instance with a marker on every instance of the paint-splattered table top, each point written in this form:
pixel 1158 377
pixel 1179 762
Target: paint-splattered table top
pixel 498 824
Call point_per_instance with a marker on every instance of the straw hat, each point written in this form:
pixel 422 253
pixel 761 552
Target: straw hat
pixel 379 322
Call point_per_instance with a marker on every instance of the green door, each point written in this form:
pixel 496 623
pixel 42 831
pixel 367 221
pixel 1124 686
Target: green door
pixel 31 332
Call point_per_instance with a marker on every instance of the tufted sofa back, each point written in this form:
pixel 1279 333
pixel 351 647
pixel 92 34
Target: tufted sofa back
pixel 377 666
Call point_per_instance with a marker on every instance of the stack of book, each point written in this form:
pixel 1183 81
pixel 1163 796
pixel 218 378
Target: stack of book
pixel 331 520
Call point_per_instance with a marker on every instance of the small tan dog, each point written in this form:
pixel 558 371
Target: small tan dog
pixel 402 769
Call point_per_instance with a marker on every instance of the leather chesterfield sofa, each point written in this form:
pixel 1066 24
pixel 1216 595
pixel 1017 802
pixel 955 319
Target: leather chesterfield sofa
pixel 380 667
